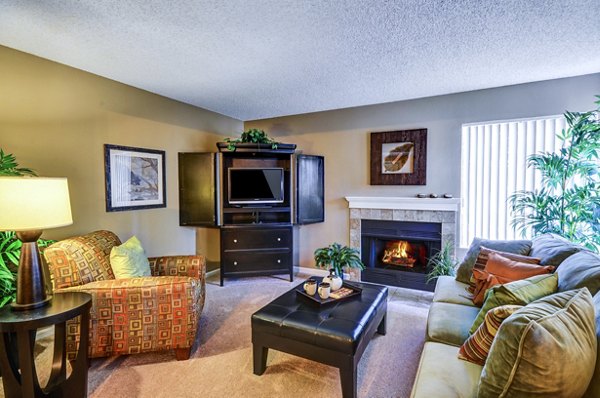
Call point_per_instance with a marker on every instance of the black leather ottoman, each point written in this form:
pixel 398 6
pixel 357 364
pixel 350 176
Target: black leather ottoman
pixel 335 334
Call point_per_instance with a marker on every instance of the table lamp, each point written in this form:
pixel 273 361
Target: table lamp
pixel 27 206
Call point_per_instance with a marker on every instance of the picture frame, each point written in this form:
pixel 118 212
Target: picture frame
pixel 399 157
pixel 135 178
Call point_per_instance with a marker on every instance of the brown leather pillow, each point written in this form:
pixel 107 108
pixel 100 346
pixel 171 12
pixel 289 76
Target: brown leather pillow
pixel 499 270
pixel 484 253
pixel 514 270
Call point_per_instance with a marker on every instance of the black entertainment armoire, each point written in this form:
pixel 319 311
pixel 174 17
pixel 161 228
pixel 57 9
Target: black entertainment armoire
pixel 257 231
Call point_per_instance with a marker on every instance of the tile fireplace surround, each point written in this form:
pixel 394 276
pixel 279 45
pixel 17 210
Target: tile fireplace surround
pixel 438 210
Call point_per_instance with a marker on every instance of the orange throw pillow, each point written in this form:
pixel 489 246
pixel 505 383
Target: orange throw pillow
pixel 499 270
pixel 514 270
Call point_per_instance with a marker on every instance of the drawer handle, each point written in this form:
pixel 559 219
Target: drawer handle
pixel 235 263
pixel 278 261
pixel 235 241
pixel 278 239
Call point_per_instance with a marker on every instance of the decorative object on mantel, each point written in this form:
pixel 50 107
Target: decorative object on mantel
pixel 433 195
pixel 399 157
pixel 254 136
pixel 421 195
pixel 447 196
pixel 337 257
pixel 135 178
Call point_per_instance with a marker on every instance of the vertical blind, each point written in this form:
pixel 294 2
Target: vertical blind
pixel 494 165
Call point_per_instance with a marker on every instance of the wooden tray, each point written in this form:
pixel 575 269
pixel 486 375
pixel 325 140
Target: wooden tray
pixel 317 299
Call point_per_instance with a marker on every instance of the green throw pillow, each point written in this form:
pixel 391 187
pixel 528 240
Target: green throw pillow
pixel 521 292
pixel 546 349
pixel 129 260
pixel 465 268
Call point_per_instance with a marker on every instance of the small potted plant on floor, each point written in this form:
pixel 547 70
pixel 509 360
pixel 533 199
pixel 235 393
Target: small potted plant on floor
pixel 442 263
pixel 336 257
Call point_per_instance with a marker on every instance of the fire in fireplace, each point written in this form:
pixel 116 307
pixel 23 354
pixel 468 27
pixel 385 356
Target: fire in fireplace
pixel 397 253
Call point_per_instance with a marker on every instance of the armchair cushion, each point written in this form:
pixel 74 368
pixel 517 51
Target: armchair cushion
pixel 139 315
pixel 193 266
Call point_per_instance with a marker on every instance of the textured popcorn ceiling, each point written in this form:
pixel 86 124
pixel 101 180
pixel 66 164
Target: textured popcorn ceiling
pixel 253 59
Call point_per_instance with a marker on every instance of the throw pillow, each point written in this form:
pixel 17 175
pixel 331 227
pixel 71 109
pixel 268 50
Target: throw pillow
pixel 552 249
pixel 580 270
pixel 500 269
pixel 593 390
pixel 129 260
pixel 546 349
pixel 476 348
pixel 464 271
pixel 521 292
pixel 484 253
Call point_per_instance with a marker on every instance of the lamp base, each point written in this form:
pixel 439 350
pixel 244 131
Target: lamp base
pixel 24 307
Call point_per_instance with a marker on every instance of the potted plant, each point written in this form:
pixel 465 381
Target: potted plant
pixel 442 263
pixel 336 257
pixel 254 136
pixel 568 204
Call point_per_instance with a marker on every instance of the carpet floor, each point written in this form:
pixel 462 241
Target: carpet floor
pixel 221 361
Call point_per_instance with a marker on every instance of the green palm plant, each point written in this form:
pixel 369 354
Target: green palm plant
pixel 568 204
pixel 255 136
pixel 442 263
pixel 337 257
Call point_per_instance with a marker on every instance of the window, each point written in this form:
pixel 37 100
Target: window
pixel 494 165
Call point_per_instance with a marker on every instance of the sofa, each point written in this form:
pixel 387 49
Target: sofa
pixel 442 374
pixel 129 315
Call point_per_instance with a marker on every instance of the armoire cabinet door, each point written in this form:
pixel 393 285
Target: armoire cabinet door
pixel 310 189
pixel 198 189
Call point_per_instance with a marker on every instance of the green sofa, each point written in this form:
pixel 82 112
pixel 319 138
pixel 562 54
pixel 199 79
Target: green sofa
pixel 441 373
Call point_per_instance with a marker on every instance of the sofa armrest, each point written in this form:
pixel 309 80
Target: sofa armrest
pixel 193 266
pixel 139 314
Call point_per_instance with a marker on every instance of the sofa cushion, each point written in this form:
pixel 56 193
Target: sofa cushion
pixel 520 292
pixel 580 270
pixel 465 268
pixel 593 390
pixel 484 253
pixel 449 323
pixel 449 290
pixel 552 249
pixel 442 374
pixel 129 260
pixel 548 348
pixel 478 345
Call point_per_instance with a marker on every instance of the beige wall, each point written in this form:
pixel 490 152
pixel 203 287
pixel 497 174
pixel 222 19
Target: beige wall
pixel 56 119
pixel 342 136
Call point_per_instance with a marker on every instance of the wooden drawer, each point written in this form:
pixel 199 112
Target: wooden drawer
pixel 256 261
pixel 255 238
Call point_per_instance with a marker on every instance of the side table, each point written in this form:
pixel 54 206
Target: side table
pixel 19 329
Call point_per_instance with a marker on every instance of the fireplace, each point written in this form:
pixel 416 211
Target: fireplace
pixel 397 253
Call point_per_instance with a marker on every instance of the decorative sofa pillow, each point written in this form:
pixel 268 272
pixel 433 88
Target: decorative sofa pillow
pixel 521 292
pixel 129 260
pixel 476 348
pixel 593 390
pixel 580 270
pixel 484 252
pixel 465 268
pixel 552 249
pixel 547 348
pixel 500 269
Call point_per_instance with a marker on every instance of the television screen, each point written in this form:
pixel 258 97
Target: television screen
pixel 255 185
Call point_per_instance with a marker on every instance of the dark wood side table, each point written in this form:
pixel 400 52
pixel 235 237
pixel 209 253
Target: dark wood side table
pixel 18 328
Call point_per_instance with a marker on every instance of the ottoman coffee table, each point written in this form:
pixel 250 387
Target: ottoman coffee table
pixel 334 334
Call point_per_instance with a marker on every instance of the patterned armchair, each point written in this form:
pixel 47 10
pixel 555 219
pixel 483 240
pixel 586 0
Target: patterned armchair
pixel 129 316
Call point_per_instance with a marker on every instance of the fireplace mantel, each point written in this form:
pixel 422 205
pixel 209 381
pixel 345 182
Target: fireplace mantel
pixel 403 203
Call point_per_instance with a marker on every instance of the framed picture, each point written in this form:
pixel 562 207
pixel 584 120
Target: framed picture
pixel 399 157
pixel 135 178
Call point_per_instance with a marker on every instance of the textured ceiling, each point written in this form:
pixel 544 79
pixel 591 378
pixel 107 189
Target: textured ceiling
pixel 253 59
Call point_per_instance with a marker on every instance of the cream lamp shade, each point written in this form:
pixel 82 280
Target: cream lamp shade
pixel 34 203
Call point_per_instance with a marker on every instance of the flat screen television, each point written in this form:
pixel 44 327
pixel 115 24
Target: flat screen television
pixel 249 185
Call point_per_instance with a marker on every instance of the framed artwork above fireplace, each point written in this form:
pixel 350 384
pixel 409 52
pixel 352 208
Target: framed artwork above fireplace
pixel 399 157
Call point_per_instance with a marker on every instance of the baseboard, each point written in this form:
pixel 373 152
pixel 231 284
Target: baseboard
pixel 311 271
